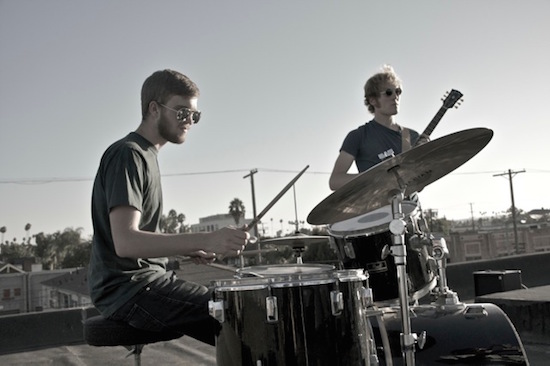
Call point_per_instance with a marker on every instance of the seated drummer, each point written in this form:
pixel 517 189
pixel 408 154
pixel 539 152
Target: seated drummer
pixel 380 138
pixel 127 276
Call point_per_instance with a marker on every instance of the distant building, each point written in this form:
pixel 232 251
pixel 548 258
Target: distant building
pixel 23 292
pixel 68 290
pixel 215 222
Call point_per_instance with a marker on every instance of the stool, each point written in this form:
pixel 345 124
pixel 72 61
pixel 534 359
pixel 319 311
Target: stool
pixel 100 331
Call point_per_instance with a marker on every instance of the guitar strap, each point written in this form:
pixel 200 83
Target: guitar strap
pixel 405 139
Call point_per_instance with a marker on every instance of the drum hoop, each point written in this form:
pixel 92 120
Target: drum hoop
pixel 301 283
pixel 241 288
pixel 241 284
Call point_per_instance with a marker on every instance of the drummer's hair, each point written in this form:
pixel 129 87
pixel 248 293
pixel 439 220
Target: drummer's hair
pixel 162 84
pixel 372 86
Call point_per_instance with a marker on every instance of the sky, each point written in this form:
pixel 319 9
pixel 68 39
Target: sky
pixel 281 85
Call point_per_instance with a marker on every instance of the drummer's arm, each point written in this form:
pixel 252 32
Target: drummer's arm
pixel 340 175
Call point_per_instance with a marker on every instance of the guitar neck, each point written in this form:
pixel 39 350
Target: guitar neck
pixel 431 126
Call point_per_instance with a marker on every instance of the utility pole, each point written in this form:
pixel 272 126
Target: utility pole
pixel 472 214
pixel 251 175
pixel 510 176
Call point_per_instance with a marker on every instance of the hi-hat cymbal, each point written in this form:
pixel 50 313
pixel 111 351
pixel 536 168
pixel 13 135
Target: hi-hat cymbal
pixel 416 168
pixel 299 240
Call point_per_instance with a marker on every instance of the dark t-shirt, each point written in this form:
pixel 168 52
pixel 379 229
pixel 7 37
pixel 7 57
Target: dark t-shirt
pixel 128 175
pixel 372 142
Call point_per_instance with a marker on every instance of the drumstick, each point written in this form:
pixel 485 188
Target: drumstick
pixel 270 205
pixel 255 220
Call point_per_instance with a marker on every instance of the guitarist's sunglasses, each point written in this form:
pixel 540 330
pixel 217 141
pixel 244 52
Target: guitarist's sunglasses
pixel 389 92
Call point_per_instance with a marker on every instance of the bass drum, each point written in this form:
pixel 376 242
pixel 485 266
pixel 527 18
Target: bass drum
pixel 295 315
pixel 476 334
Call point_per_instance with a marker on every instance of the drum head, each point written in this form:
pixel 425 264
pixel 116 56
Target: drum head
pixel 291 275
pixel 283 270
pixel 370 223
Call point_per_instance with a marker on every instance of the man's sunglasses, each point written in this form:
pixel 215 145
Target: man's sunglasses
pixel 389 92
pixel 183 113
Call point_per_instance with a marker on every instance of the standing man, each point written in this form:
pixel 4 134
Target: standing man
pixel 378 139
pixel 127 274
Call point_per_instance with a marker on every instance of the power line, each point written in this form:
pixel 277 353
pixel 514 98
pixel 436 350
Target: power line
pixel 32 181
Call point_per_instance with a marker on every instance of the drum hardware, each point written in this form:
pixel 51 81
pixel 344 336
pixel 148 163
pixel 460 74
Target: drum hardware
pixel 444 295
pixel 298 242
pixel 385 252
pixel 348 249
pixel 398 250
pixel 215 309
pixel 272 315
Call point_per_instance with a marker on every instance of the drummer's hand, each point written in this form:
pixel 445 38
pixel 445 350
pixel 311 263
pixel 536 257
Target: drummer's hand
pixel 202 257
pixel 230 241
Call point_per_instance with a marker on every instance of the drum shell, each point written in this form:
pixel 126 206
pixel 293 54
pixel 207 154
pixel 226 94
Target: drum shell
pixel 306 332
pixel 367 254
pixel 464 336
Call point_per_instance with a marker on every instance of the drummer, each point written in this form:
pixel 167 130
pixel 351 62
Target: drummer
pixel 380 138
pixel 128 278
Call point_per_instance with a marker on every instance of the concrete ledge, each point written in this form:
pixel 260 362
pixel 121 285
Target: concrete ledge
pixel 32 331
pixel 528 309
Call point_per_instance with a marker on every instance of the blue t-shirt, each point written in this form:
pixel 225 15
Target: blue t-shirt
pixel 128 175
pixel 372 143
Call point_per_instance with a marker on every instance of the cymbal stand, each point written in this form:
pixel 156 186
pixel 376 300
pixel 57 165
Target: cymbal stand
pixel 398 251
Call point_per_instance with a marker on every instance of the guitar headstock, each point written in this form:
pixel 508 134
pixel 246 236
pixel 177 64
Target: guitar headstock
pixel 451 98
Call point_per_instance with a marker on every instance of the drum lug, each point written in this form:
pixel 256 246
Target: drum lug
pixel 475 311
pixel 215 309
pixel 348 250
pixel 365 294
pixel 272 315
pixel 385 252
pixel 421 340
pixel 336 302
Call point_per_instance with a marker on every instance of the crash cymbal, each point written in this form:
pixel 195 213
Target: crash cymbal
pixel 416 168
pixel 299 240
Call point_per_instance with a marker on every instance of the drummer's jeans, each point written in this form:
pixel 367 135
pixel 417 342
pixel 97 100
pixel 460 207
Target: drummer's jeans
pixel 172 304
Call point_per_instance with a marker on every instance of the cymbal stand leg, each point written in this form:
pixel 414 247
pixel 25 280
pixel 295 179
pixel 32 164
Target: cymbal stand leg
pixel 398 251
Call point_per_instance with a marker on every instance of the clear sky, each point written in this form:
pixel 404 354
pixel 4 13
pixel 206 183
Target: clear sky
pixel 281 85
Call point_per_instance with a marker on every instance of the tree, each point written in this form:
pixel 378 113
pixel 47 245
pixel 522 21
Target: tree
pixel 173 223
pixel 237 210
pixel 28 230
pixel 78 255
pixel 3 231
pixel 52 249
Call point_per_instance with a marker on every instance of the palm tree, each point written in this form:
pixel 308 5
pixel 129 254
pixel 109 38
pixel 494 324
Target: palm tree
pixel 173 222
pixel 28 229
pixel 181 220
pixel 3 231
pixel 237 210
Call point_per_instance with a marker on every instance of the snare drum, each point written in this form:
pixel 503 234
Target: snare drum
pixel 295 315
pixel 361 242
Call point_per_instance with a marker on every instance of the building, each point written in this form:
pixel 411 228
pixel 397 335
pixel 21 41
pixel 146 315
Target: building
pixel 23 292
pixel 215 222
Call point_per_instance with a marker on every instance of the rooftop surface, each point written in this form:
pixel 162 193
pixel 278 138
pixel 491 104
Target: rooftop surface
pixel 187 351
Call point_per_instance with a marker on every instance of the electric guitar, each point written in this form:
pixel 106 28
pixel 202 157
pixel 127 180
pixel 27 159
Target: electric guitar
pixel 451 98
